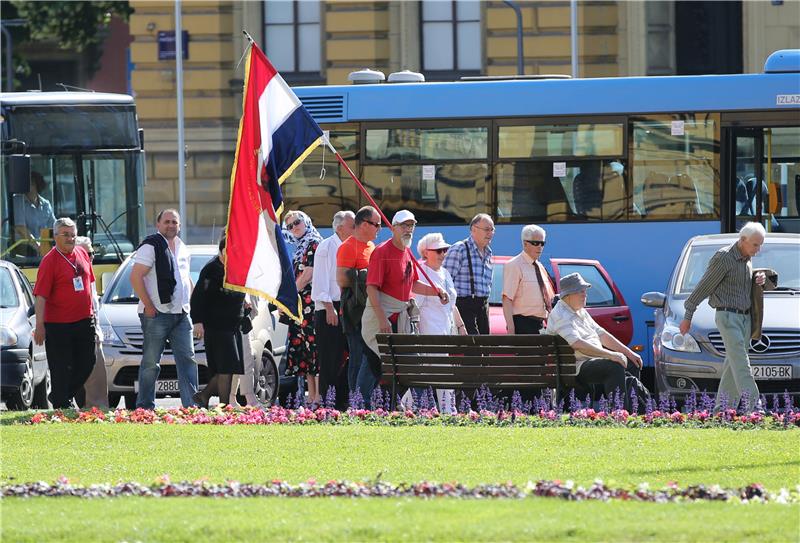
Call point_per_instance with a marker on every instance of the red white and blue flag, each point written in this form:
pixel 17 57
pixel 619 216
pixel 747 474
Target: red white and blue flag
pixel 276 134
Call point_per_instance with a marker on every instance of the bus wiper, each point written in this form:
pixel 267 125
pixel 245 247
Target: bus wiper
pixel 786 289
pixel 107 230
pixel 124 300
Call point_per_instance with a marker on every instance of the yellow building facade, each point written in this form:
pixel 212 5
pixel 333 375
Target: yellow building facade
pixel 322 42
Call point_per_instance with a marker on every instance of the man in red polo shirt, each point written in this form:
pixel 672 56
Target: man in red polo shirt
pixel 64 314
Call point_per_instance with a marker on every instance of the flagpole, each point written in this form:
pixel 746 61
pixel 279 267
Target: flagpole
pixel 375 205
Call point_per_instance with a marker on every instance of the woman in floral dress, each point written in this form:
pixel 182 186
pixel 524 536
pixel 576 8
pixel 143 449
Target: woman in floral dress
pixel 301 359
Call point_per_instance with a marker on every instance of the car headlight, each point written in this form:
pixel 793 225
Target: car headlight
pixel 8 338
pixel 671 338
pixel 110 337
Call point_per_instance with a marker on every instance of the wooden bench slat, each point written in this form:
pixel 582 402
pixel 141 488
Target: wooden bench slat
pixel 454 349
pixel 487 361
pixel 457 371
pixel 471 383
pixel 484 340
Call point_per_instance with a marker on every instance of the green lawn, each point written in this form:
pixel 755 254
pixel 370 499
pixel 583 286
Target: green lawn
pixel 268 519
pixel 110 453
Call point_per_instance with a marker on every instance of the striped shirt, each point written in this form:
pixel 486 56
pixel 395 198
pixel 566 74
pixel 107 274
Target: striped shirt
pixel 726 283
pixel 457 263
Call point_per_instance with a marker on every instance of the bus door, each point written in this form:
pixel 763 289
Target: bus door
pixel 764 180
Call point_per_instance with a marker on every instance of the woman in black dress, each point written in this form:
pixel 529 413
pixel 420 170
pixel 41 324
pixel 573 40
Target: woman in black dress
pixel 217 315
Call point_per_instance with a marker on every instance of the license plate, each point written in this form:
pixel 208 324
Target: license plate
pixel 772 372
pixel 167 387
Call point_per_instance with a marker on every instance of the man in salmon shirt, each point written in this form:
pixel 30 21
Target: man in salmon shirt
pixel 352 260
pixel 65 315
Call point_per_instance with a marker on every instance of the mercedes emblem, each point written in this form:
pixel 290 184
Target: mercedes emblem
pixel 760 345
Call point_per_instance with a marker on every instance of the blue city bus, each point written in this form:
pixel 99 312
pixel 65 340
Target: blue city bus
pixel 622 170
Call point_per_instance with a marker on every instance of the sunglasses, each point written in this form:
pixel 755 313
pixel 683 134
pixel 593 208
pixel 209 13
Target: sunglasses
pixel 535 242
pixel 441 251
pixel 293 223
pixel 375 224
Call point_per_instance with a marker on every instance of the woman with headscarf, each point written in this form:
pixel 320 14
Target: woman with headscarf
pixel 301 357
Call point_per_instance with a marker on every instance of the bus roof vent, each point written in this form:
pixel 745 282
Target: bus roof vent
pixel 323 109
pixel 366 76
pixel 783 62
pixel 406 76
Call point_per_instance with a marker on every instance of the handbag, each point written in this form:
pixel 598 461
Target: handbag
pixel 246 324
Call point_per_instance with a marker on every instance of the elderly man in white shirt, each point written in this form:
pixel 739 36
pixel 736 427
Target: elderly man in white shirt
pixel 160 277
pixel 601 359
pixel 326 294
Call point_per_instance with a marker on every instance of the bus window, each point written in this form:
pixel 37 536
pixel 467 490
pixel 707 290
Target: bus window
pixel 106 174
pixel 439 143
pixel 578 140
pixel 321 197
pixel 676 166
pixel 782 145
pixel 453 194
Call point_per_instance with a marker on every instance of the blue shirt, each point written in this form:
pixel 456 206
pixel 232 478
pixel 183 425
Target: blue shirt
pixel 457 263
pixel 33 216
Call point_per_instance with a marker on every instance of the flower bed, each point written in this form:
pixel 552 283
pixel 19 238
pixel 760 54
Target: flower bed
pixel 584 417
pixel 567 490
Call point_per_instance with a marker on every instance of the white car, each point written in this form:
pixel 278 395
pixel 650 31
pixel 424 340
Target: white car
pixel 122 343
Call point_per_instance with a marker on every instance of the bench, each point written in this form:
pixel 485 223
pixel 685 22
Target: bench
pixel 506 362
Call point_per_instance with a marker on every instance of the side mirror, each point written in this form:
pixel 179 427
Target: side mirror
pixel 31 311
pixel 556 298
pixel 19 174
pixel 654 299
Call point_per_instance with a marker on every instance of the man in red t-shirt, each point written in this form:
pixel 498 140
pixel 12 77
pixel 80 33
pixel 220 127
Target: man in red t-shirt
pixel 65 315
pixel 391 278
pixel 352 260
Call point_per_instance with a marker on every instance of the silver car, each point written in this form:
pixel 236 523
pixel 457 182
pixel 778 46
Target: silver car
pixel 122 343
pixel 694 360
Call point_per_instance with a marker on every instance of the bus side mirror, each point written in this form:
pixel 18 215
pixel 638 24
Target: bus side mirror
pixel 19 174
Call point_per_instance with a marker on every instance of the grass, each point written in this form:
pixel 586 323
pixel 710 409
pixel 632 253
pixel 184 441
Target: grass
pixel 110 453
pixel 267 519
pixel 105 453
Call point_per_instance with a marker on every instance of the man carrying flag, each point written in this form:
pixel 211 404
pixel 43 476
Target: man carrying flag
pixel 276 134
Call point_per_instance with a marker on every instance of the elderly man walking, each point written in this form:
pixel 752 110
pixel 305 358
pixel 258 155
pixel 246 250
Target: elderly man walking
pixel 469 262
pixel 160 278
pixel 391 278
pixel 65 314
pixel 527 291
pixel 326 294
pixel 600 358
pixel 727 283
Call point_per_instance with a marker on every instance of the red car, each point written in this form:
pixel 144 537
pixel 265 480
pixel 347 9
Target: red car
pixel 604 302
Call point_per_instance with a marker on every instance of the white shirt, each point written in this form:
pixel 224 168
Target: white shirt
pixel 573 326
pixel 181 262
pixel 324 287
pixel 436 318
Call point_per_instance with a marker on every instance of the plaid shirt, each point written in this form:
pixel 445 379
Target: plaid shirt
pixel 457 263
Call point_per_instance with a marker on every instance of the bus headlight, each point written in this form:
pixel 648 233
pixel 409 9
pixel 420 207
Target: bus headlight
pixel 671 338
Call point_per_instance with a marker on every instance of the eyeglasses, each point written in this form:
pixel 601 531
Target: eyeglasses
pixel 407 225
pixel 375 224
pixel 535 242
pixel 485 228
pixel 293 223
pixel 441 251
pixel 68 236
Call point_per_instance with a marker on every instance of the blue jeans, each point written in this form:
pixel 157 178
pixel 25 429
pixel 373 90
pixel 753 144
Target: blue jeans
pixel 356 347
pixel 177 327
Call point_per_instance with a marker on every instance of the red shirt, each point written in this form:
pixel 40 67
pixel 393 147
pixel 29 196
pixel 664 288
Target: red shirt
pixel 392 271
pixel 54 282
pixel 354 254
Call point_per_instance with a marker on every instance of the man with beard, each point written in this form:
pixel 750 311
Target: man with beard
pixel 391 278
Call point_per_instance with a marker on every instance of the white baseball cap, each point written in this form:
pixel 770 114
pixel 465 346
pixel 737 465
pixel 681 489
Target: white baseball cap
pixel 402 216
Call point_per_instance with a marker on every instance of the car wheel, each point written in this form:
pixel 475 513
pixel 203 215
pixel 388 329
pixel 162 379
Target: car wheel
pixel 113 399
pixel 41 393
pixel 266 378
pixel 22 398
pixel 130 400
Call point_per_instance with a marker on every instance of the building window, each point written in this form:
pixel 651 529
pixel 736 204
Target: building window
pixel 292 38
pixel 451 38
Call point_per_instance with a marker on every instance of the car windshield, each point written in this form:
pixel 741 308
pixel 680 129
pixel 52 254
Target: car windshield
pixel 8 294
pixel 122 292
pixel 781 257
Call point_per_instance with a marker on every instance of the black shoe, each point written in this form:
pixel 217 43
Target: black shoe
pixel 196 398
